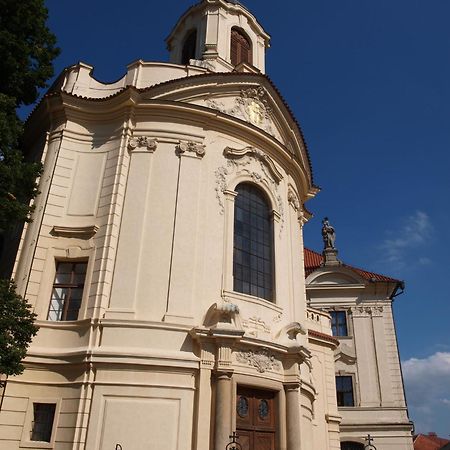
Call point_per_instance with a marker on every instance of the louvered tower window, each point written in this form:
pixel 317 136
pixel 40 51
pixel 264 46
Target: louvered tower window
pixel 241 48
pixel 189 47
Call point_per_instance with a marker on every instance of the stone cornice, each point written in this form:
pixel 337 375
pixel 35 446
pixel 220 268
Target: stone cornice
pixel 324 339
pixel 130 102
pixel 74 232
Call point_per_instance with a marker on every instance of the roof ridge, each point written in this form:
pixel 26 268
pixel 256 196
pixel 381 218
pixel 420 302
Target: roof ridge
pixel 366 274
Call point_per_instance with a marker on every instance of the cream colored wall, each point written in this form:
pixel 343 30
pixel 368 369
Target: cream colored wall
pixel 369 354
pixel 155 221
pixel 143 189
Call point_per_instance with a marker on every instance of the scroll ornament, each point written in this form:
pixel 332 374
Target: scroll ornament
pixel 143 141
pixel 191 147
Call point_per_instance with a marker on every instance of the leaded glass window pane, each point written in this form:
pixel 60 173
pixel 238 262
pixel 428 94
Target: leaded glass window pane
pixel 253 243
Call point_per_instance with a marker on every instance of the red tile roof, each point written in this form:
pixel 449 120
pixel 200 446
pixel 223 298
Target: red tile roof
pixel 326 337
pixel 429 442
pixel 314 260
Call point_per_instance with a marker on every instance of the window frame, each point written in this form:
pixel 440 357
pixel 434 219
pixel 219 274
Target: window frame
pixel 353 390
pixel 36 424
pixel 68 286
pixel 253 257
pixel 242 35
pixel 337 312
pixel 229 196
pixel 27 429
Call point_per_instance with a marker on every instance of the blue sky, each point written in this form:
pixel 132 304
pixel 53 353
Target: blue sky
pixel 369 84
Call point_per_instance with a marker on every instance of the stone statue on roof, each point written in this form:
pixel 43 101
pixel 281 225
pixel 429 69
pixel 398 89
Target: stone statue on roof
pixel 328 234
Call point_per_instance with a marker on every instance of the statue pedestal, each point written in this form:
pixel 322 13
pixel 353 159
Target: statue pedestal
pixel 330 257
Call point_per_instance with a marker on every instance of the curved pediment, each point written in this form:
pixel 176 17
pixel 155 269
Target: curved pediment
pixel 334 276
pixel 246 97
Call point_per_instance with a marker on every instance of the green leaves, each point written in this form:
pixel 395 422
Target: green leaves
pixel 16 329
pixel 27 49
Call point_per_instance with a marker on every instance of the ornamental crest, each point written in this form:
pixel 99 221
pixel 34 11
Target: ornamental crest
pixel 251 106
pixel 190 147
pixel 241 161
pixel 144 142
pixel 261 360
pixel 255 105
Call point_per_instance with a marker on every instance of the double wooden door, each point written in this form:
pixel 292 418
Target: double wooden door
pixel 256 419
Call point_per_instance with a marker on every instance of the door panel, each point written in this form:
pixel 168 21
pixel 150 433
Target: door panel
pixel 264 441
pixel 245 439
pixel 256 419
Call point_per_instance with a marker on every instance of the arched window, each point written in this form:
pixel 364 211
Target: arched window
pixel 241 48
pixel 189 47
pixel 351 446
pixel 253 267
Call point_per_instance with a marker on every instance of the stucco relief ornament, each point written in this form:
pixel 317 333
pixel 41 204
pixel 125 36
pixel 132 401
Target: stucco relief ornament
pixel 255 105
pixel 255 325
pixel 142 141
pixel 191 147
pixel 293 199
pixel 261 360
pixel 361 311
pixel 239 161
pixel 251 106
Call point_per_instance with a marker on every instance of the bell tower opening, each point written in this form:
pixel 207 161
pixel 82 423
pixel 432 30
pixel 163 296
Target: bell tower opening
pixel 189 47
pixel 241 47
pixel 219 35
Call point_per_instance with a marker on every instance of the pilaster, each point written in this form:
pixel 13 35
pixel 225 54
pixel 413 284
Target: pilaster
pixel 123 293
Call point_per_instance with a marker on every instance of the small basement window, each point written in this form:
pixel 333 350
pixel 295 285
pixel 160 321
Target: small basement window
pixel 43 418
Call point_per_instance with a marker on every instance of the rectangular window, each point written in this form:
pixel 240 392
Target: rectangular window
pixel 43 417
pixel 339 323
pixel 344 390
pixel 67 290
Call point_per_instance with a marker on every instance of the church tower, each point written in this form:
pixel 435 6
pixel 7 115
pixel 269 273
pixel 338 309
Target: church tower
pixel 220 35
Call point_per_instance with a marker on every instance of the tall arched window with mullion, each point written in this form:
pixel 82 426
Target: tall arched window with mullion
pixel 253 267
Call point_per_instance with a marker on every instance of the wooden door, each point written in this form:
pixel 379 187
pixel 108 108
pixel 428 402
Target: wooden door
pixel 256 419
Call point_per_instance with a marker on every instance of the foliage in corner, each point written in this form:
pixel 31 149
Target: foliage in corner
pixel 16 328
pixel 27 51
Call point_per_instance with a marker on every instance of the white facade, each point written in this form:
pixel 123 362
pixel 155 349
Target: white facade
pixel 139 191
pixel 367 354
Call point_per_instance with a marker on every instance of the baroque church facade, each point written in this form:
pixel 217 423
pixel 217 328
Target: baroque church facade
pixel 166 265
